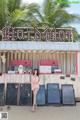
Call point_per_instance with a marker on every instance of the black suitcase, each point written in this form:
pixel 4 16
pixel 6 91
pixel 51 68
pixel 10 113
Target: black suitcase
pixel 41 95
pixel 25 94
pixel 53 94
pixel 2 94
pixel 11 94
pixel 68 95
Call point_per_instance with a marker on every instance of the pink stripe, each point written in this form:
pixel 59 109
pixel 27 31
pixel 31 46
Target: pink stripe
pixel 77 63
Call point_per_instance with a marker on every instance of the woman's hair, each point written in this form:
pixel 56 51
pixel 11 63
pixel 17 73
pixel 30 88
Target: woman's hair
pixel 34 72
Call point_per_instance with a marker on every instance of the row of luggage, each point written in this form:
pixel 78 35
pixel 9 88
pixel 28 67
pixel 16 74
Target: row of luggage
pixel 21 94
pixel 54 95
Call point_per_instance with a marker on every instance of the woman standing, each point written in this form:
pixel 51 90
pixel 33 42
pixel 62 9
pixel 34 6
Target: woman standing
pixel 35 87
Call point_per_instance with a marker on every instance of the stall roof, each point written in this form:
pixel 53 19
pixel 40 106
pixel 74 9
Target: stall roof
pixel 33 45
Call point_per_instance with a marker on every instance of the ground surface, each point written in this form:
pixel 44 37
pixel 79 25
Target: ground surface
pixel 44 113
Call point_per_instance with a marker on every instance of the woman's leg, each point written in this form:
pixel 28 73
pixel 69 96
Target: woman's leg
pixel 34 97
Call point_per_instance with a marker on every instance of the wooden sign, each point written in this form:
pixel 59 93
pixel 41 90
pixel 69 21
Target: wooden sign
pixel 37 34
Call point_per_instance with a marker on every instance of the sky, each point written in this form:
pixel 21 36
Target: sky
pixel 30 1
pixel 74 8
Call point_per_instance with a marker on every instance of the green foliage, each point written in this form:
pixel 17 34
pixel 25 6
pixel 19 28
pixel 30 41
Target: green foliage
pixel 12 12
pixel 53 14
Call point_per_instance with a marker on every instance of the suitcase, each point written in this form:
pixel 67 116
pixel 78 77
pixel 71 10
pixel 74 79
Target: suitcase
pixel 41 95
pixel 25 94
pixel 2 94
pixel 12 93
pixel 68 95
pixel 53 94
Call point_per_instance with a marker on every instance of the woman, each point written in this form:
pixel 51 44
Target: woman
pixel 35 87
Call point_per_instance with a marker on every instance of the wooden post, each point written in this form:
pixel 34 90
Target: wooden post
pixel 0 64
pixel 77 63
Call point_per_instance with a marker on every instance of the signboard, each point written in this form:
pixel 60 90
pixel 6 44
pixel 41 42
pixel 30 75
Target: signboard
pixel 45 69
pixel 37 34
pixel 48 62
pixel 21 62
